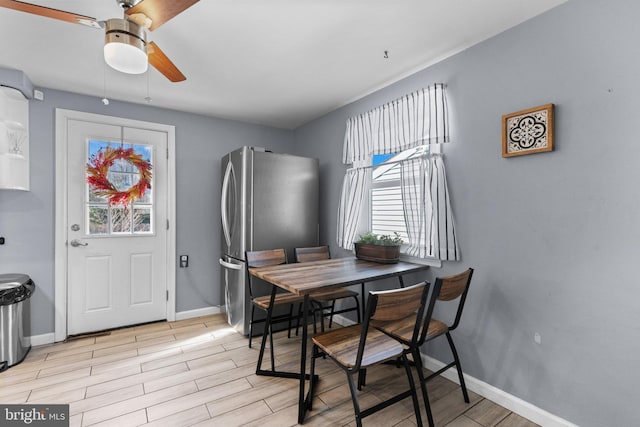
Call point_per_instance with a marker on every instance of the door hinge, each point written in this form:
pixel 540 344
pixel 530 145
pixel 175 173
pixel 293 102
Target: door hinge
pixel 167 224
pixel 167 153
pixel 167 295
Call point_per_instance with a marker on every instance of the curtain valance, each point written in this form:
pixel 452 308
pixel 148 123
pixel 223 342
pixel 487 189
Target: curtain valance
pixel 415 119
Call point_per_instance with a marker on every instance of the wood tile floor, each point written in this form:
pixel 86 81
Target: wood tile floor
pixel 200 372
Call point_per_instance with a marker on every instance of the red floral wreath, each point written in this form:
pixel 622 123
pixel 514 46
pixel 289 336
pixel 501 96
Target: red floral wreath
pixel 98 168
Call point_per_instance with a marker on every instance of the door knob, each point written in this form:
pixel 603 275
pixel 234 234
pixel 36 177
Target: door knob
pixel 75 243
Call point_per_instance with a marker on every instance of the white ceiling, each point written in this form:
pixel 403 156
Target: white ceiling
pixel 279 62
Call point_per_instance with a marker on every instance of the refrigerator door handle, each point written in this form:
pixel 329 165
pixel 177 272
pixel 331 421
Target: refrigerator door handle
pixel 223 203
pixel 229 265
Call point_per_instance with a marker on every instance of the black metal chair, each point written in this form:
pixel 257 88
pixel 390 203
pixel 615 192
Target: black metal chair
pixel 453 287
pixel 317 253
pixel 358 347
pixel 447 288
pixel 262 259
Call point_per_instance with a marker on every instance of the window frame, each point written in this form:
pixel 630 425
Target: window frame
pixel 368 209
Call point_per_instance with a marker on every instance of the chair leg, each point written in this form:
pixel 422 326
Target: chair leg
pixel 253 307
pixel 299 316
pixel 362 378
pixel 354 398
pixel 289 321
pixel 412 387
pixel 273 359
pixel 417 360
pixel 312 371
pixel 458 367
pixel 315 321
pixel 318 308
pixel 333 308
pixel 355 298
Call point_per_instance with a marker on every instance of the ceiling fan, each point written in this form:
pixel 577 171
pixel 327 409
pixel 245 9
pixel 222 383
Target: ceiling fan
pixel 126 48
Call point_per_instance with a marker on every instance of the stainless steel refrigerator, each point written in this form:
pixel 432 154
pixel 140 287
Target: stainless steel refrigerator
pixel 268 201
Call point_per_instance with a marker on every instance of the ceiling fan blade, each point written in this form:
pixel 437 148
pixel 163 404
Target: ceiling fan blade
pixel 160 11
pixel 162 63
pixel 50 13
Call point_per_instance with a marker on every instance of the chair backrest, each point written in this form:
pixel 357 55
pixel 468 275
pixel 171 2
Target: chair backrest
pixel 393 305
pixel 315 253
pixel 266 257
pixel 263 258
pixel 453 287
pixel 397 304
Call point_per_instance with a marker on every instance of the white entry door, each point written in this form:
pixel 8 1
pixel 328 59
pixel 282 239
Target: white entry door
pixel 116 252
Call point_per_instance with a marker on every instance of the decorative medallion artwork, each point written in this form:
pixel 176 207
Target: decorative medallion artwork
pixel 528 131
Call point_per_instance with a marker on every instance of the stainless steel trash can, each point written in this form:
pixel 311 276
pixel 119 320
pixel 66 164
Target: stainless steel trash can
pixel 15 322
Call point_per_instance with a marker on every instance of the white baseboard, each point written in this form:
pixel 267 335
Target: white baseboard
pixel 206 311
pixel 42 339
pixel 502 398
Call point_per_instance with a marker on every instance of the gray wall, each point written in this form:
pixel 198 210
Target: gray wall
pixel 554 237
pixel 27 218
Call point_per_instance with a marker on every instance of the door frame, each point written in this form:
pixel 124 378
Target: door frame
pixel 61 226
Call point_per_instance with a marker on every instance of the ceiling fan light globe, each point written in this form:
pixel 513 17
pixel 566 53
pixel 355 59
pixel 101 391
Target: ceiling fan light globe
pixel 125 58
pixel 125 46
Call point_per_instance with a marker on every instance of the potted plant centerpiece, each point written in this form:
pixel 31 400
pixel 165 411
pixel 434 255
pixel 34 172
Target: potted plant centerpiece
pixel 382 248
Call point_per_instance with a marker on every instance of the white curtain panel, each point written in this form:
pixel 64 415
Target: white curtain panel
pixel 415 119
pixel 417 204
pixel 428 214
pixel 355 190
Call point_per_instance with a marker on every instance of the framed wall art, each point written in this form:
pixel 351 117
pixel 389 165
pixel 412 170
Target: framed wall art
pixel 528 131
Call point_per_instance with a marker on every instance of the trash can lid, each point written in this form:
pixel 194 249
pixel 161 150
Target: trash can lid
pixel 13 280
pixel 15 288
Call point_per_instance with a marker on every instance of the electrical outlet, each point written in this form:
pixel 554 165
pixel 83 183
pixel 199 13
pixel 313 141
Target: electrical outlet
pixel 184 261
pixel 537 338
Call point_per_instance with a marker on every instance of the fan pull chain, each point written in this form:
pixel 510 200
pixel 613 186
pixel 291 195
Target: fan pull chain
pixel 148 98
pixel 105 100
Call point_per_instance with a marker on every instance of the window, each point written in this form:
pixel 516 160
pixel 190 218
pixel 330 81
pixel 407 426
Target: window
pixel 387 211
pixel 382 199
pixel 133 219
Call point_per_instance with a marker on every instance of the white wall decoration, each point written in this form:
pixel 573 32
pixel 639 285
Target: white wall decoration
pixel 14 140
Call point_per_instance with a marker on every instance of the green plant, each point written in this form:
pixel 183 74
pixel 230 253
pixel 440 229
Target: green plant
pixel 381 239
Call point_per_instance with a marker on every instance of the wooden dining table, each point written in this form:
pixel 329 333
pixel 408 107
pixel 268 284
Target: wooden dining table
pixel 307 277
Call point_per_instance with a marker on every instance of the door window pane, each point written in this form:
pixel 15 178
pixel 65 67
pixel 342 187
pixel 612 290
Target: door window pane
pixel 98 220
pixel 120 219
pixel 141 220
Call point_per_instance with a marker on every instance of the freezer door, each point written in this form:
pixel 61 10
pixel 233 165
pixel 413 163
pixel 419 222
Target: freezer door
pixel 236 300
